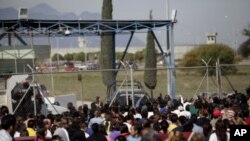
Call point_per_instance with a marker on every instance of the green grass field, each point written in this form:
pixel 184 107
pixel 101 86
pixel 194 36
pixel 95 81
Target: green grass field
pixel 92 86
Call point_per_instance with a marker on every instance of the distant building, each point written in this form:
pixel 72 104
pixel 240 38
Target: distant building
pixel 211 38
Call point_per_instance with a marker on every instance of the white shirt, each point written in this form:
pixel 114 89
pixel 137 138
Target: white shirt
pixel 17 134
pixel 213 137
pixel 5 136
pixel 63 133
pixel 49 134
pixel 137 115
pixel 186 114
pixel 86 135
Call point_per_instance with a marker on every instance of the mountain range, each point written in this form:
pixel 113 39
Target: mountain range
pixel 46 12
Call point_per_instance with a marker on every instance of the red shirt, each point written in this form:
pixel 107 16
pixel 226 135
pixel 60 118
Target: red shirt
pixel 247 120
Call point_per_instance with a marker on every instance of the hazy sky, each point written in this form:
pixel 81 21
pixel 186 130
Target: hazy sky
pixel 195 17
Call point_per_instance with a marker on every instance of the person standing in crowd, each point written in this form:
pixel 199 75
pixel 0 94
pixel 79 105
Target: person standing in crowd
pixel 31 128
pixel 96 136
pixel 75 132
pixel 41 133
pixel 207 130
pixel 220 133
pixel 203 114
pixel 135 133
pixel 60 130
pixel 8 124
pixel 98 102
pixel 163 134
pixel 96 119
pixel 174 122
pixel 84 128
pixel 4 111
pixel 47 126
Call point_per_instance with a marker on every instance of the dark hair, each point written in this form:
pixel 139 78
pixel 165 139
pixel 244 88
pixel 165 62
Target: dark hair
pixel 4 110
pixel 56 138
pixel 41 133
pixel 138 128
pixel 182 120
pixel 95 127
pixel 8 121
pixel 193 118
pixel 144 113
pixel 188 126
pixel 221 130
pixel 31 123
pixel 207 128
pixel 102 130
pixel 124 128
pixel 164 126
pixel 157 126
pixel 173 118
pixel 120 138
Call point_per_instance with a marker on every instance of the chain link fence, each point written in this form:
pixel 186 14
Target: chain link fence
pixel 86 85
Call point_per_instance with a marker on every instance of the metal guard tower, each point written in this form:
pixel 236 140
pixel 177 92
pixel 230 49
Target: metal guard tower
pixel 55 28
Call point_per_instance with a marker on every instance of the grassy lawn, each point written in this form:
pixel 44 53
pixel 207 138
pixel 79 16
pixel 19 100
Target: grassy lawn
pixel 92 86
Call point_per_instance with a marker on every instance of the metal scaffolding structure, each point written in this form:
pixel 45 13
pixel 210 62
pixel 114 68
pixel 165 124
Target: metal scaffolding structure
pixel 47 28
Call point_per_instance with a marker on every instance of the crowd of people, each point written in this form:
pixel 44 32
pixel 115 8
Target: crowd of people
pixel 203 118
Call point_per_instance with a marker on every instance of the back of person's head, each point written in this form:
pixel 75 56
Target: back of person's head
pixel 56 138
pixel 207 128
pixel 102 129
pixel 95 127
pixel 138 127
pixel 164 126
pixel 31 123
pixel 157 126
pixel 120 138
pixel 149 135
pixel 220 130
pixel 124 128
pixel 8 121
pixel 4 110
pixel 187 127
pixel 146 123
pixel 182 120
pixel 144 113
pixel 193 118
pixel 76 123
pixel 129 117
pixel 57 118
pixel 41 133
pixel 173 118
